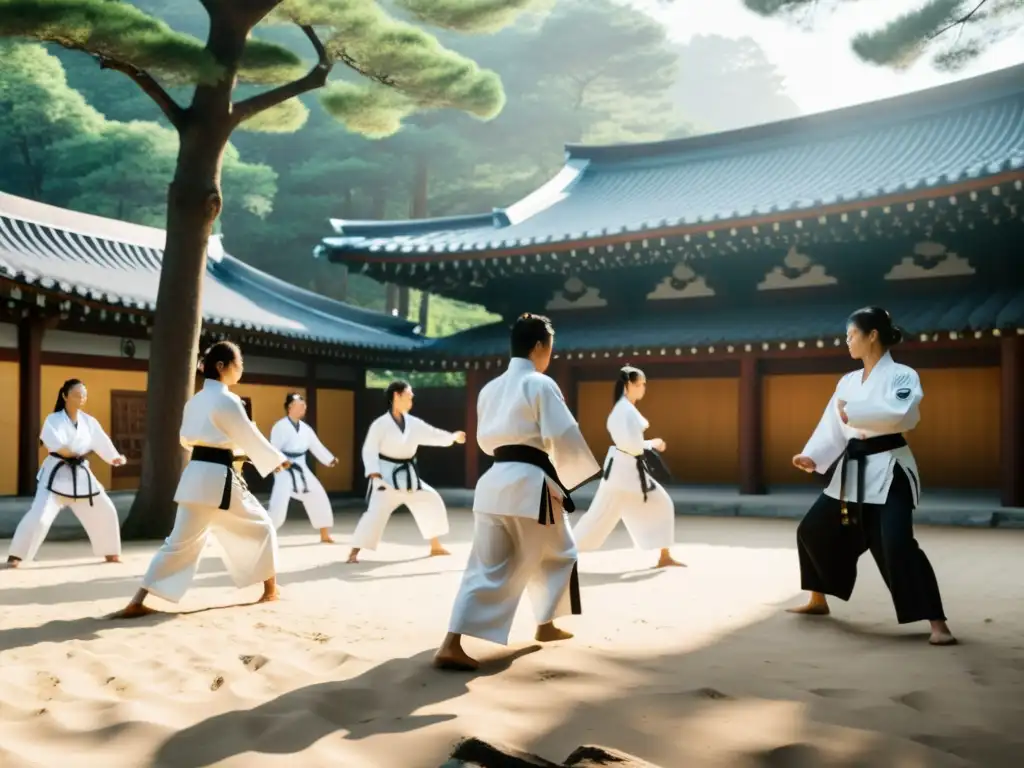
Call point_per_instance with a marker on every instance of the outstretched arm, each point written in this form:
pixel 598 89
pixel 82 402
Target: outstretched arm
pixel 427 434
pixel 102 445
pixel 319 450
pixel 230 419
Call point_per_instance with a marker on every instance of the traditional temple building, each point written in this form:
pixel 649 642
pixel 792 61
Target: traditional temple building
pixel 725 265
pixel 79 294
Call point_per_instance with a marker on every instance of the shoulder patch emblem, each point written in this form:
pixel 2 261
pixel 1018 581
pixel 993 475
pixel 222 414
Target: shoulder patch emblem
pixel 903 393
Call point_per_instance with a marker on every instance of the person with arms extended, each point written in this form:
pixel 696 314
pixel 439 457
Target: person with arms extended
pixel 393 475
pixel 66 480
pixel 870 500
pixel 295 438
pixel 211 495
pixel 521 535
pixel 627 491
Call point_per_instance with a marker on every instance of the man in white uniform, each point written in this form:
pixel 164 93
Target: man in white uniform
pixel 521 537
pixel 295 438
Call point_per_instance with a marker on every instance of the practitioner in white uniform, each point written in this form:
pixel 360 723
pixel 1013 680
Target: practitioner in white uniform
pixel 65 480
pixel 521 536
pixel 211 495
pixel 627 490
pixel 295 438
pixel 870 500
pixel 393 477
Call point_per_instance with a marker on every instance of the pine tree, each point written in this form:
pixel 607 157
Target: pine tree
pixel 393 69
pixel 955 31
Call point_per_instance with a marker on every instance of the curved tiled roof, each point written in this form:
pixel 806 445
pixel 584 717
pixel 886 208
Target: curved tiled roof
pixel 956 133
pixel 967 311
pixel 118 264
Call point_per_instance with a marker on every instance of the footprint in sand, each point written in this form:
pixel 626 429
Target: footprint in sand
pixel 218 681
pixel 254 663
pixel 917 700
pixel 788 756
pixel 834 693
pixel 711 693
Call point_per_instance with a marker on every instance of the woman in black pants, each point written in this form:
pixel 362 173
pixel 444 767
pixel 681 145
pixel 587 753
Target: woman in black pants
pixel 869 503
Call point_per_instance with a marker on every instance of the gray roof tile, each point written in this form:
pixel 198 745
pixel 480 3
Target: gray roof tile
pixel 116 263
pixel 957 132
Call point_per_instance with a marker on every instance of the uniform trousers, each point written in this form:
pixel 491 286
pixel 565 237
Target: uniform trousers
pixel 99 519
pixel 829 551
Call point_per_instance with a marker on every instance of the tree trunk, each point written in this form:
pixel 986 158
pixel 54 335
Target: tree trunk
pixel 193 205
pixel 418 210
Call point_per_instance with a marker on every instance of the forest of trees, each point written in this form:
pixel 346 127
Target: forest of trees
pixel 76 136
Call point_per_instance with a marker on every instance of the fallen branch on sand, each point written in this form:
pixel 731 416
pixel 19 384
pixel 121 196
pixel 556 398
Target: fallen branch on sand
pixel 474 753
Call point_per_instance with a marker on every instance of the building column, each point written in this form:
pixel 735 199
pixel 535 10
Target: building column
pixel 1012 418
pixel 474 383
pixel 30 363
pixel 566 377
pixel 362 416
pixel 751 449
pixel 311 392
pixel 311 403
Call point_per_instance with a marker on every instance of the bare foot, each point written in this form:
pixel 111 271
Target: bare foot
pixel 353 557
pixel 455 660
pixel 438 551
pixel 12 562
pixel 941 634
pixel 812 608
pixel 113 558
pixel 667 561
pixel 326 540
pixel 133 611
pixel 270 596
pixel 549 633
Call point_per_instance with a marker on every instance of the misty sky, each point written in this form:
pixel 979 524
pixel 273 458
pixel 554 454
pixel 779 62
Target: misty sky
pixel 820 68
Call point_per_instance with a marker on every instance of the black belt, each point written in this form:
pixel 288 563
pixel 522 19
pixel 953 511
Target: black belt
pixel 297 469
pixel 641 469
pixel 526 454
pixel 408 466
pixel 225 457
pixel 74 463
pixel 858 450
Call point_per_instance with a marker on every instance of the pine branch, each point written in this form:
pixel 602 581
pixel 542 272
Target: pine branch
pixel 959 22
pixel 315 78
pixel 175 114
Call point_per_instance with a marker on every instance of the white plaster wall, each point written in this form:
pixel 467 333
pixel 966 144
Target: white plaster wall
pixel 91 344
pixel 8 336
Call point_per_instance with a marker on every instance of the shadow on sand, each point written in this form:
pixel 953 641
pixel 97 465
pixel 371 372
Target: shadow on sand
pixel 357 708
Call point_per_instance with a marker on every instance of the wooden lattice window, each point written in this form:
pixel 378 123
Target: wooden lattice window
pixel 128 429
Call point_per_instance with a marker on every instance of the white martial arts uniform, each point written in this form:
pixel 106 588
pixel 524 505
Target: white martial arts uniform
pixel 63 482
pixel 886 404
pixel 390 451
pixel 212 497
pixel 294 440
pixel 627 490
pixel 521 537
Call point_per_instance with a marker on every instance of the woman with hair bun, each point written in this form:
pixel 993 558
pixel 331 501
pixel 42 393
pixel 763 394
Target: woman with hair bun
pixel 212 496
pixel 870 500
pixel 66 480
pixel 627 490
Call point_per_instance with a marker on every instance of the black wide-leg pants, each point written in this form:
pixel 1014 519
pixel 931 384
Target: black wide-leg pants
pixel 829 552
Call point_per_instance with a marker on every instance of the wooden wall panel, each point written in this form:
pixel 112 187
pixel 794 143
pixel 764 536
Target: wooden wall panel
pixel 697 418
pixel 792 404
pixel 335 420
pixel 957 442
pixel 9 429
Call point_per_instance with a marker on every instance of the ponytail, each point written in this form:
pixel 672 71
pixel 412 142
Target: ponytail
pixel 628 374
pixel 62 394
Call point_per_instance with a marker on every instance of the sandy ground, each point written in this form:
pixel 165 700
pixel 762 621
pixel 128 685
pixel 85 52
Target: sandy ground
pixel 688 667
